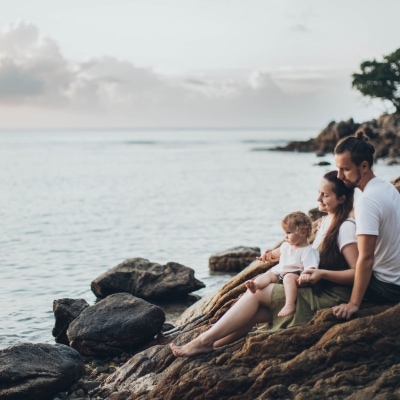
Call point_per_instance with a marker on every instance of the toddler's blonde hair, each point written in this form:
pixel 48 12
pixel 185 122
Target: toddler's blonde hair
pixel 302 222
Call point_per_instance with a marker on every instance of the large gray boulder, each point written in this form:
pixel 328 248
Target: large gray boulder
pixel 38 371
pixel 147 280
pixel 115 324
pixel 234 259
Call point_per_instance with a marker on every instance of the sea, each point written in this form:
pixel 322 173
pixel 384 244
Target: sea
pixel 75 203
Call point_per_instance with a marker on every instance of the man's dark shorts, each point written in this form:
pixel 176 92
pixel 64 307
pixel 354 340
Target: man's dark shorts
pixel 382 292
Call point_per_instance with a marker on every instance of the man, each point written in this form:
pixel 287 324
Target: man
pixel 377 214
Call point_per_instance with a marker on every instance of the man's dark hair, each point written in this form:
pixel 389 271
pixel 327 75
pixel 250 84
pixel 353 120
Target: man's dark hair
pixel 359 147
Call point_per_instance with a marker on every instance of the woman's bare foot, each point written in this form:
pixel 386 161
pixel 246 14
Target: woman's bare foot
pixel 190 349
pixel 251 286
pixel 287 310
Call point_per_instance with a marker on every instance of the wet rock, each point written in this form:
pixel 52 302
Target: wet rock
pixel 234 259
pixel 147 280
pixel 115 324
pixel 38 371
pixel 65 311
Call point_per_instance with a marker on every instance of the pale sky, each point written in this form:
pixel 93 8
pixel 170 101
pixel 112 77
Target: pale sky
pixel 189 63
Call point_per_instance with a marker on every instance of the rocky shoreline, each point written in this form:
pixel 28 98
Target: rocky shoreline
pixel 383 132
pixel 118 348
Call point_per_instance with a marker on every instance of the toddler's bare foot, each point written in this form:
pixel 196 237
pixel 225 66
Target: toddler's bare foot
pixel 190 349
pixel 287 310
pixel 251 286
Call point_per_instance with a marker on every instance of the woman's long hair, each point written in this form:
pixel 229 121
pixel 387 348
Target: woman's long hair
pixel 331 258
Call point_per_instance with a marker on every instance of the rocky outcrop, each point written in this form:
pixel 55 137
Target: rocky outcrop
pixel 327 358
pixel 384 134
pixel 147 280
pixel 38 371
pixel 234 259
pixel 114 325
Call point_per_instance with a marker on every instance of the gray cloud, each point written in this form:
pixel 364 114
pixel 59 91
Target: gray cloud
pixel 33 73
pixel 32 69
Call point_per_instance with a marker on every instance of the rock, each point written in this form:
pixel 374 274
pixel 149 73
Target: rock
pixel 147 280
pixel 327 358
pixel 383 133
pixel 65 311
pixel 392 161
pixel 396 183
pixel 322 163
pixel 115 324
pixel 38 371
pixel 234 259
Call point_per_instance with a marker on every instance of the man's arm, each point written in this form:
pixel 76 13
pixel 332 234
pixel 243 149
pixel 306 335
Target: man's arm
pixel 365 261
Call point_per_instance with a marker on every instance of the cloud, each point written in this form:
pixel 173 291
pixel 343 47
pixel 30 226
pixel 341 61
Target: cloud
pixel 110 92
pixel 32 69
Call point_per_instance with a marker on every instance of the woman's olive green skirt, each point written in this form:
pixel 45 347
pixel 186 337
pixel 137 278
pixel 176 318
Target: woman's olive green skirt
pixel 308 302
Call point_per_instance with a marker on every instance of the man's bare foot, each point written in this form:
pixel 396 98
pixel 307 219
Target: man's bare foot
pixel 190 349
pixel 287 310
pixel 251 286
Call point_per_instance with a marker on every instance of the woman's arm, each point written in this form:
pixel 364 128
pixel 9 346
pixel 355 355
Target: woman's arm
pixel 345 277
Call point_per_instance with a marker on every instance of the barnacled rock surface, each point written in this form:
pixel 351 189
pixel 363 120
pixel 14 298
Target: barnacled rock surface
pixel 147 280
pixel 384 134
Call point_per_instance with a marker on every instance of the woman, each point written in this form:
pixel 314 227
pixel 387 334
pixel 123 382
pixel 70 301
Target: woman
pixel 337 242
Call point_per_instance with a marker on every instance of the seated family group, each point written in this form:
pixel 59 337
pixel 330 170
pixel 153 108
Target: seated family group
pixel 350 259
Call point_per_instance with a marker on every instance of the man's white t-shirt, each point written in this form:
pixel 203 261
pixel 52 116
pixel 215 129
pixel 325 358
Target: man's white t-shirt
pixel 295 259
pixel 377 212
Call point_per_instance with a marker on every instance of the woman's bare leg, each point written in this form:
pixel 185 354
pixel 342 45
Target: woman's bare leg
pixel 237 320
pixel 290 287
pixel 263 315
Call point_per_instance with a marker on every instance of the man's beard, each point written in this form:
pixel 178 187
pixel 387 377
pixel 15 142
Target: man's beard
pixel 356 184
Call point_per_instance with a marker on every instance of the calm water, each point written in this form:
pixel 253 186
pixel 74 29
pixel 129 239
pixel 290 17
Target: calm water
pixel 75 203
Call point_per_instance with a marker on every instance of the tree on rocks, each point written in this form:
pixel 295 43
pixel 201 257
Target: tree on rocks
pixel 380 79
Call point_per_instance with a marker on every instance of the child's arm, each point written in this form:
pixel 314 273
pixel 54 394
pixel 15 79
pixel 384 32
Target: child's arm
pixel 270 255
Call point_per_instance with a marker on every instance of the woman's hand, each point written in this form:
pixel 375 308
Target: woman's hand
pixel 312 276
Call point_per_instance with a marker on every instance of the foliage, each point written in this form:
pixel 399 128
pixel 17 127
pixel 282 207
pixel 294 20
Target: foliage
pixel 380 79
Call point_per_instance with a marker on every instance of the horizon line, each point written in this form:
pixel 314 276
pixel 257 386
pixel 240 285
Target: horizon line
pixel 159 128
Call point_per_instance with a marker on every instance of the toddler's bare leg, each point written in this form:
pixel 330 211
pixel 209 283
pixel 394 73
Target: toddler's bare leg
pixel 290 286
pixel 261 281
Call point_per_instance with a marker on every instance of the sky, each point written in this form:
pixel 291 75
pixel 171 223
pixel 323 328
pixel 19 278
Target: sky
pixel 189 63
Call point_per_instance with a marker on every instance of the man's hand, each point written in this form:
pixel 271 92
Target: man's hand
pixel 345 311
